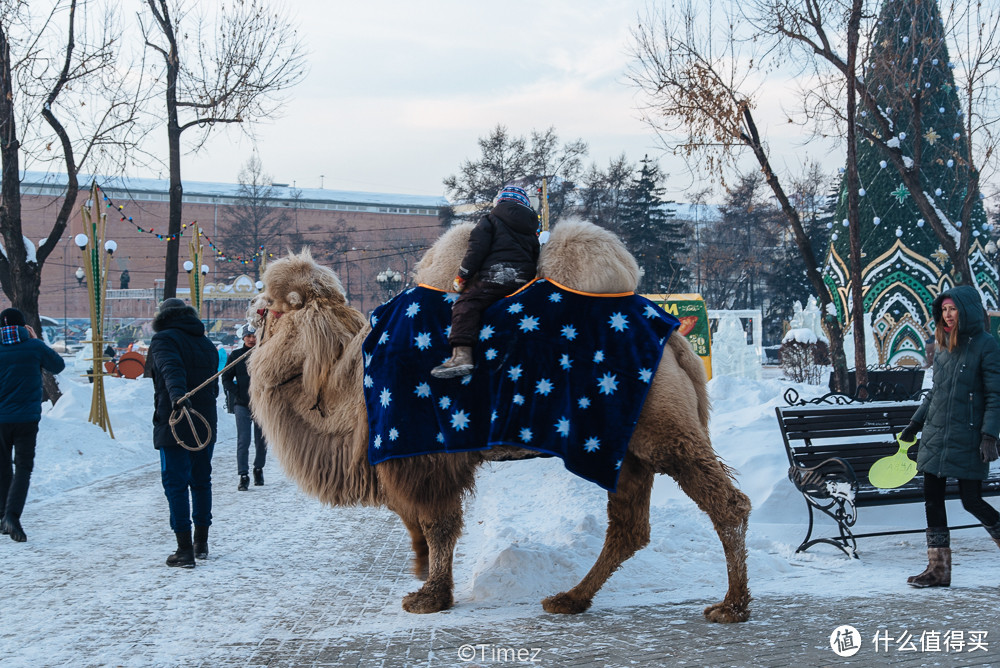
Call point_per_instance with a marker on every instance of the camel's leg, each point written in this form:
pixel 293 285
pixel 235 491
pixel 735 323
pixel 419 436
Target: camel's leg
pixel 419 543
pixel 709 484
pixel 441 527
pixel 628 532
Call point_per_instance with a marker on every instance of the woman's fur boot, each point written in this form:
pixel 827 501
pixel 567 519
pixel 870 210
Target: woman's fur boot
pixel 938 571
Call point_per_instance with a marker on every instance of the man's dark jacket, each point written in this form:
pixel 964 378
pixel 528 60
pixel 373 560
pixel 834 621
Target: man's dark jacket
pixel 183 358
pixel 21 365
pixel 237 379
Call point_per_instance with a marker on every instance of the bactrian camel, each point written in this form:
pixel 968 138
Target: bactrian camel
pixel 307 395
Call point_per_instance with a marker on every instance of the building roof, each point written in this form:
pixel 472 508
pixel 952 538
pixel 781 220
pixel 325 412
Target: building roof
pixel 231 190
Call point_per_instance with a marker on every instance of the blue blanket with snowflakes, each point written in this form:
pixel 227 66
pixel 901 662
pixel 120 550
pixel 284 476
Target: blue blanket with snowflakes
pixel 557 371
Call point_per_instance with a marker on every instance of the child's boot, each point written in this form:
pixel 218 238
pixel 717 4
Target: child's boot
pixel 460 364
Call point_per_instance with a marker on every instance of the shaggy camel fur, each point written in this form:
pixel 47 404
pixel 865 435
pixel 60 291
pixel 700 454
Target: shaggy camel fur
pixel 308 396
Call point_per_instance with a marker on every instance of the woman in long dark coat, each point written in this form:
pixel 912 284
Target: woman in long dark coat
pixel 960 422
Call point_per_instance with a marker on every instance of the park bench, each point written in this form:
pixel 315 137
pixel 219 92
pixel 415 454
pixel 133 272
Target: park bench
pixel 831 448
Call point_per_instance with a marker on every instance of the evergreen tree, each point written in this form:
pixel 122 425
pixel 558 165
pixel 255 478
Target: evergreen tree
pixel 904 267
pixel 651 233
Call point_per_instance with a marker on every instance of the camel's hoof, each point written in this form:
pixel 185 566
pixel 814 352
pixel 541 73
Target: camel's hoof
pixel 724 613
pixel 421 603
pixel 564 604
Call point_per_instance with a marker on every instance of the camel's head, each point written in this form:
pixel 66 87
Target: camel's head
pixel 292 283
pixel 440 263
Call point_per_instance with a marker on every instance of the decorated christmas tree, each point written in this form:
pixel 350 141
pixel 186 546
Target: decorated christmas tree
pixel 904 266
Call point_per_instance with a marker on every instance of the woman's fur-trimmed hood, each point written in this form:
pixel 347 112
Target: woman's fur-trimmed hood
pixel 179 317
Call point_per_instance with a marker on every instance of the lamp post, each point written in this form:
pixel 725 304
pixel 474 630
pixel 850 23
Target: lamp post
pixel 95 270
pixel 389 280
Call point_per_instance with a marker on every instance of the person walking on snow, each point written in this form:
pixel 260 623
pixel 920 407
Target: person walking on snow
pixel 236 383
pixel 960 422
pixel 182 359
pixel 22 357
pixel 502 256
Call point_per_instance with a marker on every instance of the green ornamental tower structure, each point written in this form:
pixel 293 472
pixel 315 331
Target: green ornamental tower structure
pixel 904 266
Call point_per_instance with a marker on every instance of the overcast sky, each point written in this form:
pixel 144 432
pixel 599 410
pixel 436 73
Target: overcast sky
pixel 398 92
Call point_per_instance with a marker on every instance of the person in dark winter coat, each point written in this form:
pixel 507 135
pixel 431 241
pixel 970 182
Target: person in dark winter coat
pixel 959 421
pixel 22 358
pixel 182 359
pixel 502 257
pixel 236 383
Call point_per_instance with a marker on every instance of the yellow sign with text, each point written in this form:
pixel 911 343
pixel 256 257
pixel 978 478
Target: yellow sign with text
pixel 690 309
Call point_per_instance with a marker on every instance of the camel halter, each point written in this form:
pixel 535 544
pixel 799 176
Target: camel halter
pixel 185 412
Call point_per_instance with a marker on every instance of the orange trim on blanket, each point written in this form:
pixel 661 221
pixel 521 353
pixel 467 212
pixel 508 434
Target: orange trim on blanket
pixel 558 285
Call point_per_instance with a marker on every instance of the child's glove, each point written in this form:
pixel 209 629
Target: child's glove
pixel 458 284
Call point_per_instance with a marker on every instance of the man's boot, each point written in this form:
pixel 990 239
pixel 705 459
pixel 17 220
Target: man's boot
pixel 460 364
pixel 258 477
pixel 184 556
pixel 244 483
pixel 200 542
pixel 12 526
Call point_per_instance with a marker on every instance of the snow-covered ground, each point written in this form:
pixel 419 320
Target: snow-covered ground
pixel 532 530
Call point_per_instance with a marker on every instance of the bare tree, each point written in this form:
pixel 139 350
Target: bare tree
pixel 505 158
pixel 226 69
pixel 605 193
pixel 254 225
pixel 54 68
pixel 700 100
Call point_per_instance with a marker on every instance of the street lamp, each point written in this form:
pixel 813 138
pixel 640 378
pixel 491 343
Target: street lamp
pixel 389 280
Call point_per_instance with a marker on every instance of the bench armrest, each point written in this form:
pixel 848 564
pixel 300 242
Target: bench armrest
pixel 831 478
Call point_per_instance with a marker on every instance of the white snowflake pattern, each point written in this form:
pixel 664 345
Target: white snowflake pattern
pixel 382 339
pixel 515 372
pixel 608 383
pixel 444 403
pixel 459 420
pixel 440 437
pixel 584 402
pixel 592 444
pixel 422 340
pixel 562 427
pixel 518 399
pixel 543 387
pixel 516 307
pixel 447 331
pixel 393 434
pixel 651 311
pixel 486 332
pixel 493 416
pixel 618 322
pixel 645 375
pixel 598 357
pixel 423 390
pixel 565 362
pixel 385 398
pixel 451 297
pixel 466 379
pixel 526 435
pixel 618 464
pixel 374 320
pixel 569 331
pixel 491 354
pixel 555 298
pixel 529 323
pixel 412 310
pixel 378 441
pixel 368 359
pixel 368 381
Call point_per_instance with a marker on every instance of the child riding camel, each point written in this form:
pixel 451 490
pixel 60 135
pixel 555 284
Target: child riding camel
pixel 502 257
